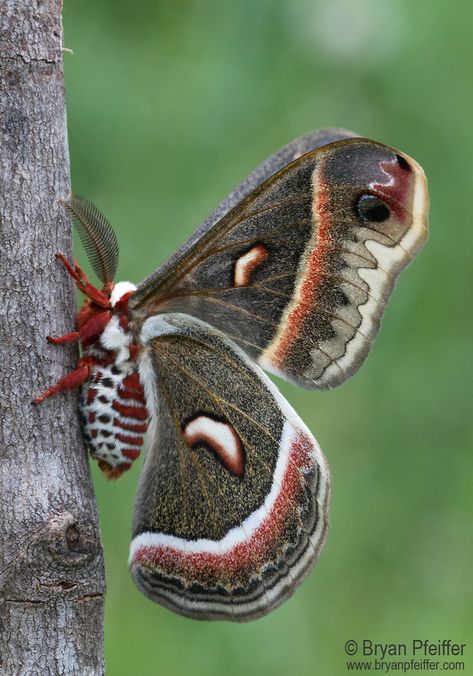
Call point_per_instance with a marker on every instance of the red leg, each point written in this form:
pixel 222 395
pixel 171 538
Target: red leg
pixel 95 325
pixel 69 382
pixel 66 338
pixel 83 284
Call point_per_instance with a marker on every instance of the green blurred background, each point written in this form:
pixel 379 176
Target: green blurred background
pixel 170 105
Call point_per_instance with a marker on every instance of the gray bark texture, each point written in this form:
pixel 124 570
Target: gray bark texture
pixel 51 564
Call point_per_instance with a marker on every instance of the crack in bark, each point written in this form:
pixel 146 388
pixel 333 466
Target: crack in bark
pixel 29 602
pixel 28 60
pixel 78 599
pixel 89 597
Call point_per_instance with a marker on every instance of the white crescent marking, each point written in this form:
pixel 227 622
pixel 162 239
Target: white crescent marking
pixel 249 262
pixel 221 437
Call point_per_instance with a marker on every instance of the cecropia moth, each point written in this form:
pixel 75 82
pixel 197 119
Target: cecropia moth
pixel 291 273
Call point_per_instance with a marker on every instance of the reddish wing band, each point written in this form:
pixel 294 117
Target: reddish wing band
pixel 233 501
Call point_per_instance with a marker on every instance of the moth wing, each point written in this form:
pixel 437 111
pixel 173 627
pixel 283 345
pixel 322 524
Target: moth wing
pixel 233 499
pixel 299 272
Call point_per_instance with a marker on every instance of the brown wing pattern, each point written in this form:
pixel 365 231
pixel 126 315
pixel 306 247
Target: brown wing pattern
pixel 299 272
pixel 232 507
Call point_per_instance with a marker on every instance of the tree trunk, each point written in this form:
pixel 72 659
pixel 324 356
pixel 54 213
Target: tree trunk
pixel 51 565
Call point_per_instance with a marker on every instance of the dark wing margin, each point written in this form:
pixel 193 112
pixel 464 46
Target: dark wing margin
pixel 97 236
pixel 233 500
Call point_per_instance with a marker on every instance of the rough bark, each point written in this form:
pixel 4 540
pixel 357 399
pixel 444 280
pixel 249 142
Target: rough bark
pixel 51 566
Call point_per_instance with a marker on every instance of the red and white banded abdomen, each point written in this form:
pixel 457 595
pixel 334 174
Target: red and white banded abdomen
pixel 114 414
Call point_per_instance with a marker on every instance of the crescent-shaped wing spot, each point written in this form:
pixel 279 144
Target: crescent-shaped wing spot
pixel 247 263
pixel 221 437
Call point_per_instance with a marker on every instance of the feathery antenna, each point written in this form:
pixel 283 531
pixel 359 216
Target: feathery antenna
pixel 97 237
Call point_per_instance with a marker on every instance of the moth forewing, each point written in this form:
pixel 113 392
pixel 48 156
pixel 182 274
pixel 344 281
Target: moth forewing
pixel 298 274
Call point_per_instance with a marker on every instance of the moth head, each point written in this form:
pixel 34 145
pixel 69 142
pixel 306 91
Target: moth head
pixel 120 294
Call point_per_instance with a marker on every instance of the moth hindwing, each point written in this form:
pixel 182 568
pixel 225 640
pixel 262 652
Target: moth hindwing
pixel 233 499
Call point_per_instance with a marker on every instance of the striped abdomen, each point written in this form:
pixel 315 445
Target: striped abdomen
pixel 114 415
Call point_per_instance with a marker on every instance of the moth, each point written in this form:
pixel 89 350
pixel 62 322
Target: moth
pixel 291 273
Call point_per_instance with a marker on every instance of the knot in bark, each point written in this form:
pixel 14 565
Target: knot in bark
pixel 71 540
